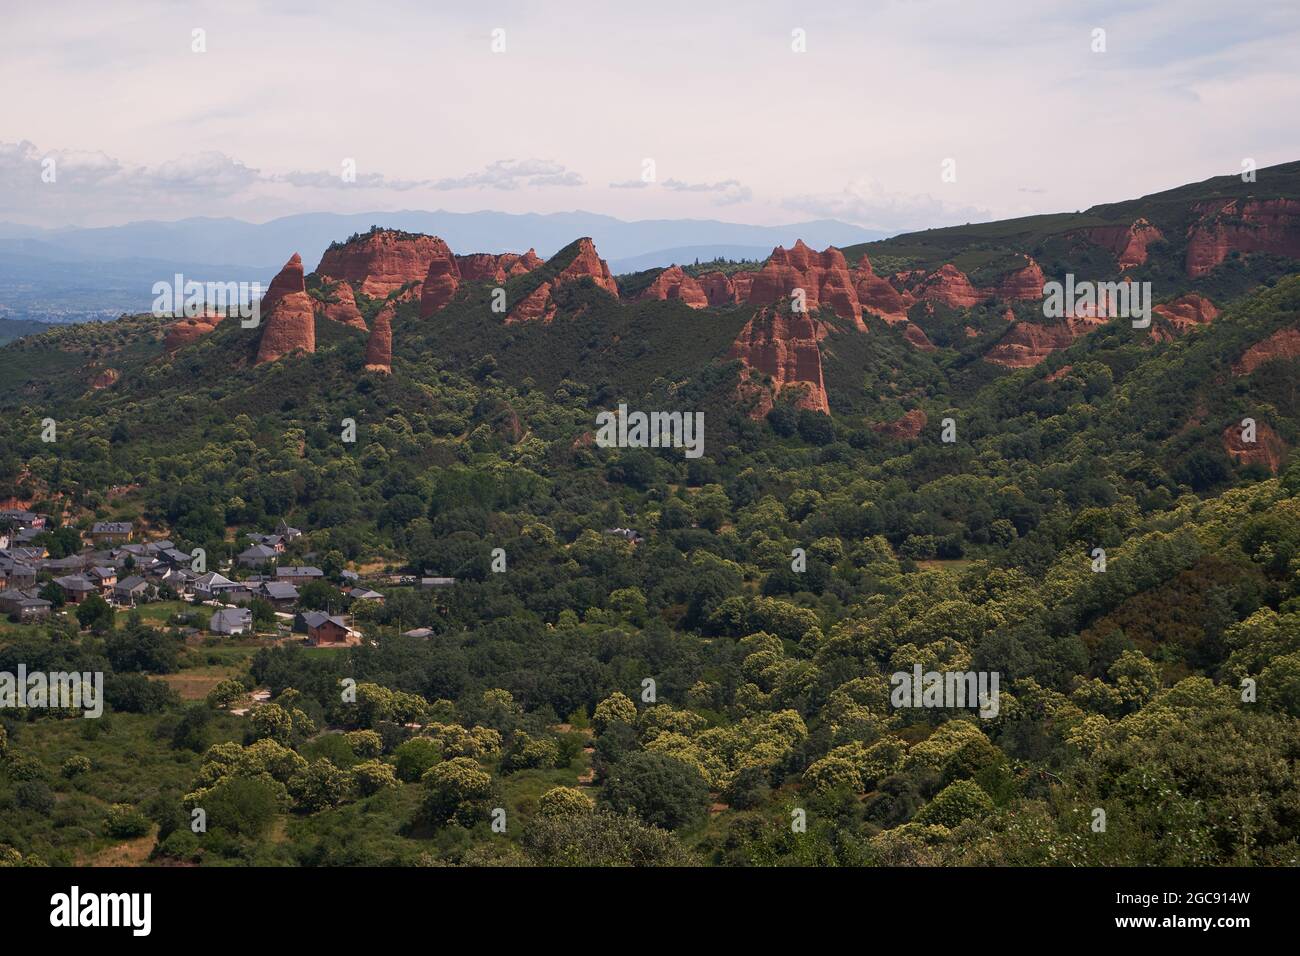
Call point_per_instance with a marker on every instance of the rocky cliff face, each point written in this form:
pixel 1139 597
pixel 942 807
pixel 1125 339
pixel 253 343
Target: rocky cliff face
pixel 782 346
pixel 379 347
pixel 536 306
pixel 342 307
pixel 1023 285
pixel 1267 449
pixel 1028 343
pixel 1128 244
pixel 949 286
pixel 1282 344
pixel 823 276
pixel 1182 314
pixel 877 295
pixel 1230 225
pixel 718 289
pixel 383 262
pixel 287 315
pixel 673 283
pixel 486 267
pixel 440 282
pixel 590 265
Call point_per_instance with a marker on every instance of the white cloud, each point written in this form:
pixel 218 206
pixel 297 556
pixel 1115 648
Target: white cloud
pixel 866 203
pixel 512 174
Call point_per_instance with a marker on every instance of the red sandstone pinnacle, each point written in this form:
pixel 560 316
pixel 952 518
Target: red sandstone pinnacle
pixel 287 316
pixel 588 263
pixel 783 346
pixel 440 281
pixel 673 283
pixel 379 347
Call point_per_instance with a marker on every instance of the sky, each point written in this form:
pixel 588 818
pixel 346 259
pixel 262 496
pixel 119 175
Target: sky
pixel 759 112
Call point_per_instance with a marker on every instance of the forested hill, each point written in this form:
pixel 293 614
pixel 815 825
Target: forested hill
pixel 1107 517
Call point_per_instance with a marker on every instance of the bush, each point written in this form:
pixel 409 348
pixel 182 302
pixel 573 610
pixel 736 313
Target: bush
pixel 415 757
pixel 124 822
pixel 660 790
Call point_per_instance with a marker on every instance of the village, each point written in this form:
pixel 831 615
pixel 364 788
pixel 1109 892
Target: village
pixel 116 566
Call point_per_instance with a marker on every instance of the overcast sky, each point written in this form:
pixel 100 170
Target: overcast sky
pixel 738 124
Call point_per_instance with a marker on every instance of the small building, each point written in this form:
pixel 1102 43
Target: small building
pixel 256 555
pixel 76 587
pixel 437 582
pixel 365 594
pixel 131 590
pixel 231 620
pixel 213 584
pixel 24 605
pixel 286 532
pixel 103 576
pixel 325 628
pixel 16 574
pixel 111 532
pixel 281 594
pixel 299 575
pixel 175 558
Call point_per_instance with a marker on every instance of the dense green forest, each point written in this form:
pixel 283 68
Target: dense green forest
pixel 718 692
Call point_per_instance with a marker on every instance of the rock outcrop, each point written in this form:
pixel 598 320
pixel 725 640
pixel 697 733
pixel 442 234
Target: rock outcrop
pixel 382 262
pixel 949 286
pixel 1230 225
pixel 1282 344
pixel 782 346
pixel 718 289
pixel 536 306
pixel 1267 449
pixel 379 347
pixel 1028 343
pixel 1023 285
pixel 341 307
pixel 187 331
pixel 673 283
pixel 486 267
pixel 823 276
pixel 1181 314
pixel 440 282
pixel 906 428
pixel 104 378
pixel 287 315
pixel 1128 244
pixel 587 264
pixel 877 295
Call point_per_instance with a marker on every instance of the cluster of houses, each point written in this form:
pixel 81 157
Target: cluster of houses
pixel 126 574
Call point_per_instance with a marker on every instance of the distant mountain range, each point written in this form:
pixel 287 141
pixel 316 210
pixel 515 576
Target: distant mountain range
pixel 73 275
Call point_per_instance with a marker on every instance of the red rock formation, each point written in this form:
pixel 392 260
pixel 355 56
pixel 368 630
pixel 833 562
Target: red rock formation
pixel 486 267
pixel 1024 284
pixel 104 378
pixel 537 305
pixel 440 282
pixel 1060 373
pixel 382 262
pixel 1183 313
pixel 823 276
pixel 742 282
pixel 949 286
pixel 916 336
pixel 1028 343
pixel 1267 449
pixel 189 330
pixel 782 345
pixel 673 283
pixel 1229 225
pixel 588 263
pixel 379 347
pixel 287 317
pixel 878 296
pixel 718 289
pixel 343 308
pixel 1127 243
pixel 1282 344
pixel 906 428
